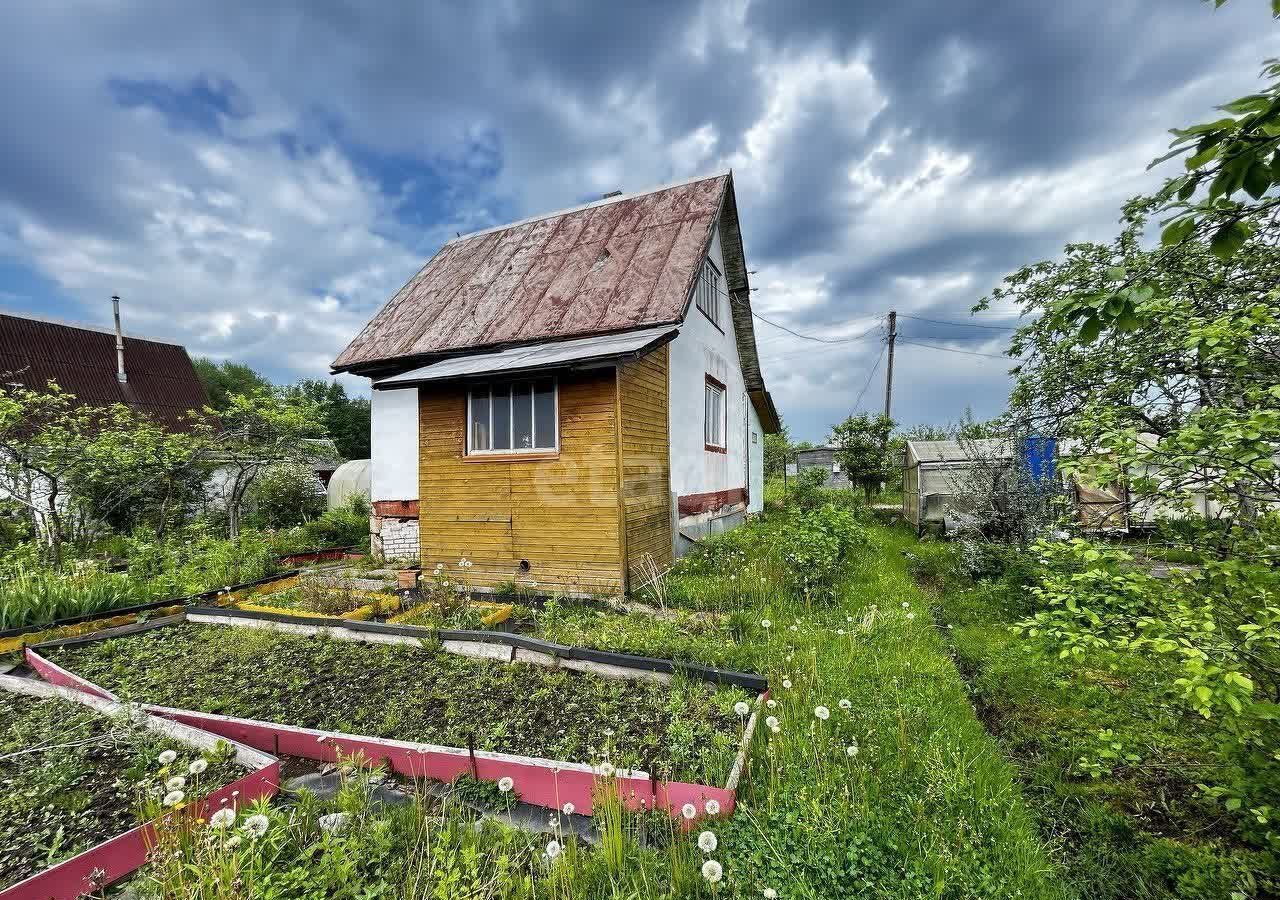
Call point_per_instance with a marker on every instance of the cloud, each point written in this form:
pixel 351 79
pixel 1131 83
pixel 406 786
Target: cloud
pixel 256 181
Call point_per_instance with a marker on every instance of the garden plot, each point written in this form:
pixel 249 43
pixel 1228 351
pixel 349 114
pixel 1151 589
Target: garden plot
pixel 684 730
pixel 77 772
pixel 325 596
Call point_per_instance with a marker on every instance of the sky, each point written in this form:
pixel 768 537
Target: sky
pixel 256 179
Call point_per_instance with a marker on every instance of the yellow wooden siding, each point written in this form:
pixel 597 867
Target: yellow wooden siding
pixel 646 460
pixel 561 514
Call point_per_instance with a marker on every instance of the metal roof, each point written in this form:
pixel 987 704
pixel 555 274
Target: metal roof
pixel 575 353
pixel 958 451
pixel 162 382
pixel 615 265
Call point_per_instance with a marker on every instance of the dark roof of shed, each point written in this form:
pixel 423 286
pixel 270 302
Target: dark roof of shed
pixel 162 382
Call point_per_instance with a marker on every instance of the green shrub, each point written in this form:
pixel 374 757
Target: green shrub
pixel 346 526
pixel 814 545
pixel 286 494
pixel 195 560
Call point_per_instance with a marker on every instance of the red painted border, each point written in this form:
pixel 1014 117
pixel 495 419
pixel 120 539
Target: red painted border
pixel 125 853
pixel 542 782
pixel 693 504
pixel 403 509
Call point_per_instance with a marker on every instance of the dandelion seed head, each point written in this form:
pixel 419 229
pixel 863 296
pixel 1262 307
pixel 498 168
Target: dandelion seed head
pixel 197 767
pixel 741 708
pixel 822 712
pixel 770 894
pixel 506 783
pixel 173 798
pixel 772 722
pixel 223 818
pixel 569 808
pixel 166 757
pixel 176 783
pixel 257 825
pixel 846 704
pixel 712 871
pixel 712 807
pixel 707 842
pixel 689 811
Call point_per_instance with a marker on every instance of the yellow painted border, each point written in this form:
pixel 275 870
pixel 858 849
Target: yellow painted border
pixel 17 642
pixel 500 612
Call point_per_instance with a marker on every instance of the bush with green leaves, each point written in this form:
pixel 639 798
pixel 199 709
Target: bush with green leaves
pixel 286 494
pixel 195 560
pixel 1219 621
pixel 815 545
pixel 346 526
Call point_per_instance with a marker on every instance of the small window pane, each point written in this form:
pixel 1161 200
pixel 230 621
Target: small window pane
pixel 544 414
pixel 522 406
pixel 480 420
pixel 502 417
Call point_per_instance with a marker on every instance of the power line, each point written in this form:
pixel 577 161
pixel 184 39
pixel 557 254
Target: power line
pixel 870 375
pixel 957 350
pixel 960 324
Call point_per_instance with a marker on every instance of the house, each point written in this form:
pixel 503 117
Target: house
pixel 935 472
pixel 823 458
pixel 570 399
pixel 101 367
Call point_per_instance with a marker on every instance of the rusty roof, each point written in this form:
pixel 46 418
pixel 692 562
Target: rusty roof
pixel 162 382
pixel 614 265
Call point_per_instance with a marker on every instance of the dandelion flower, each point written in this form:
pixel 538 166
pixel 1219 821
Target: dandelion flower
pixel 771 703
pixel 765 623
pixel 173 798
pixel 689 811
pixel 166 757
pixel 846 704
pixel 176 783
pixel 852 750
pixel 553 849
pixel 712 871
pixel 606 769
pixel 506 784
pixel 256 826
pixel 775 729
pixel 333 822
pixel 770 894
pixel 822 712
pixel 197 767
pixel 712 807
pixel 223 818
pixel 707 842
pixel 741 708
pixel 772 722
pixel 569 808
pixel 233 842
pixel 906 605
pixel 786 683
pixel 911 615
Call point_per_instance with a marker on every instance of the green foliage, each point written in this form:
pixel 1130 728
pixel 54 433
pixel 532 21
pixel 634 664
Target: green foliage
pixel 222 381
pixel 777 451
pixel 346 526
pixel 195 560
pixel 815 548
pixel 346 419
pixel 286 494
pixel 862 444
pixel 31 593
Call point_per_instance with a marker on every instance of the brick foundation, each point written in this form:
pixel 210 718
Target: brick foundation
pixel 394 537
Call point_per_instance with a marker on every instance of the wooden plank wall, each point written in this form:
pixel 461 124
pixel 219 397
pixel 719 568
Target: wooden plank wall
pixel 560 513
pixel 646 461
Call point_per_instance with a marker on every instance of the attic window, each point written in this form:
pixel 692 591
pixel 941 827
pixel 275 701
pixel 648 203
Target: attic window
pixel 707 292
pixel 513 417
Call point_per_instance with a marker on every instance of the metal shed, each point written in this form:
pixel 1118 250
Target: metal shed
pixel 933 469
pixel 823 458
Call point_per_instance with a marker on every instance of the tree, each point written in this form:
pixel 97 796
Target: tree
pixel 346 419
pixel 862 448
pixel 777 450
pixel 70 465
pixel 257 431
pixel 222 381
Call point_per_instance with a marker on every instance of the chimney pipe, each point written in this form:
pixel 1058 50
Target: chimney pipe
pixel 115 308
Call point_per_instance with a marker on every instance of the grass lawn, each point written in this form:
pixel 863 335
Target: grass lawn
pixel 69 779
pixel 1109 758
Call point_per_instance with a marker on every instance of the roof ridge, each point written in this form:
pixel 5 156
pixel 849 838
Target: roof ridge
pixel 85 326
pixel 603 201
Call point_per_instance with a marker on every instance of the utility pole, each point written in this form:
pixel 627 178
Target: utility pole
pixel 888 378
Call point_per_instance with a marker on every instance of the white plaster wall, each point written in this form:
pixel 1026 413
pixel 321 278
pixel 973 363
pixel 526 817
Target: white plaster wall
pixel 755 454
pixel 699 350
pixel 394 445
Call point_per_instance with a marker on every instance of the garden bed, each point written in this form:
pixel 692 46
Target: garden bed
pixel 76 772
pixel 684 730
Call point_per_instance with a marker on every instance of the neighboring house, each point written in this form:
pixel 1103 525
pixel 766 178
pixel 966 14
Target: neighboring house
pixel 568 398
pixel 152 377
pixel 935 472
pixel 823 458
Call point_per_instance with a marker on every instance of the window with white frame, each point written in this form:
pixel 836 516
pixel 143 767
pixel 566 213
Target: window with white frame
pixel 707 291
pixel 513 417
pixel 713 414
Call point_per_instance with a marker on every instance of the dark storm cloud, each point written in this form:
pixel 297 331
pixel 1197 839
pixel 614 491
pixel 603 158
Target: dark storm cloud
pixel 282 167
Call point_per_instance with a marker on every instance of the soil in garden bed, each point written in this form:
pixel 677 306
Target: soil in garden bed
pixel 684 730
pixel 327 597
pixel 71 778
